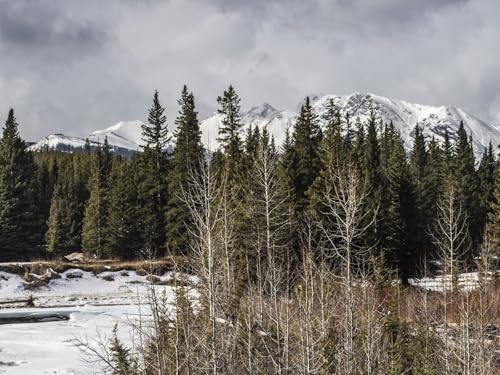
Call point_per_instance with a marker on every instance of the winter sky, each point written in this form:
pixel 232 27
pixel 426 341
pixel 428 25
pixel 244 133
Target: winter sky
pixel 73 66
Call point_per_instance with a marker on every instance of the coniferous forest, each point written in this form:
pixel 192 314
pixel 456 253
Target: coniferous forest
pixel 304 251
pixel 53 203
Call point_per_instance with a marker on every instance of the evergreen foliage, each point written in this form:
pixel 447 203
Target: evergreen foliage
pixel 20 218
pixel 110 206
pixel 122 236
pixel 152 184
pixel 64 225
pixel 185 164
pixel 94 229
pixel 305 155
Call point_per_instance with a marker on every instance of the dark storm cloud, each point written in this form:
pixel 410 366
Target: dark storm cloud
pixel 44 30
pixel 73 66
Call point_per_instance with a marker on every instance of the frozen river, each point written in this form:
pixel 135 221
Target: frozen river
pixel 81 306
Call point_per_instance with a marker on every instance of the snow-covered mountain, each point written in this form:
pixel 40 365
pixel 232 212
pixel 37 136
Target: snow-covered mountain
pixel 125 134
pixel 125 137
pixel 405 116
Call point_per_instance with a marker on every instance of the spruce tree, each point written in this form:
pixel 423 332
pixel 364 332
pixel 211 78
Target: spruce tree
pixel 155 133
pixel 398 216
pixel 422 174
pixel 486 191
pixel 358 151
pixel 187 161
pixel 153 179
pixel 94 230
pixel 306 155
pixel 374 178
pixel 332 154
pixel 123 236
pixel 234 168
pixel 229 132
pixel 493 225
pixel 64 223
pixel 20 219
pixel 466 182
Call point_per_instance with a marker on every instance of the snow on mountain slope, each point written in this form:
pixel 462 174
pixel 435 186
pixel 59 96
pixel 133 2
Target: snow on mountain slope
pixel 262 116
pixel 123 137
pixel 405 116
pixel 125 134
pixel 58 142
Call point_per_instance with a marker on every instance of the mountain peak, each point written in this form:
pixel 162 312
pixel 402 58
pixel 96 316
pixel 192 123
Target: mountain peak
pixel 124 134
pixel 434 121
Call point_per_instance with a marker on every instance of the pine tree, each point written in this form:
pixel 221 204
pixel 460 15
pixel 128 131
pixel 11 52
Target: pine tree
pixel 306 155
pixel 155 133
pixel 64 222
pixel 122 237
pixel 493 225
pixel 486 190
pixel 333 154
pixel 20 219
pixel 398 221
pixel 358 151
pixel 153 180
pixel 418 160
pixel 372 154
pixel 349 133
pixel 55 233
pixel 121 361
pixel 374 178
pixel 229 111
pixel 287 191
pixel 94 229
pixel 448 167
pixel 187 160
pixel 466 182
pixel 423 184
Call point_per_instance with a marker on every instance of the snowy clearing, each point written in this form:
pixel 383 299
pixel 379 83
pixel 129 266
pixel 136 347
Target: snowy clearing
pixel 93 304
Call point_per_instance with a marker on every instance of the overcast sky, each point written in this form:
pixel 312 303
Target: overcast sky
pixel 74 66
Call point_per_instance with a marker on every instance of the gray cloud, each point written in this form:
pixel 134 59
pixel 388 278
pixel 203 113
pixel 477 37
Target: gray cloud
pixel 74 66
pixel 44 32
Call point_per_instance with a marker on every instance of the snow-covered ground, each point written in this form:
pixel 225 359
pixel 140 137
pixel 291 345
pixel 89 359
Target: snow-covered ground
pixel 94 304
pixel 465 281
pixel 51 347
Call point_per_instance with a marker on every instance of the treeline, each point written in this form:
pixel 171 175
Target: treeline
pixel 52 203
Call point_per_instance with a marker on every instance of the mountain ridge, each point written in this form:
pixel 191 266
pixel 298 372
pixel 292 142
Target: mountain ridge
pixel 433 120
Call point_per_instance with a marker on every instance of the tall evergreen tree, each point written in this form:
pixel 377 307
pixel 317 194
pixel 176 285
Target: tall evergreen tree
pixel 466 181
pixel 233 163
pixel 358 151
pixel 123 238
pixel 374 178
pixel 229 132
pixel 333 154
pixel 486 186
pixel 493 225
pixel 187 160
pixel 306 154
pixel 155 133
pixel 422 174
pixel 64 223
pixel 398 221
pixel 20 219
pixel 153 180
pixel 94 227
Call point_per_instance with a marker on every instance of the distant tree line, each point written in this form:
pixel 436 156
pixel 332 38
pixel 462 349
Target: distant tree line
pixel 53 203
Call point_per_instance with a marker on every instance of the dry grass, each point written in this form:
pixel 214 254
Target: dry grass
pixel 156 267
